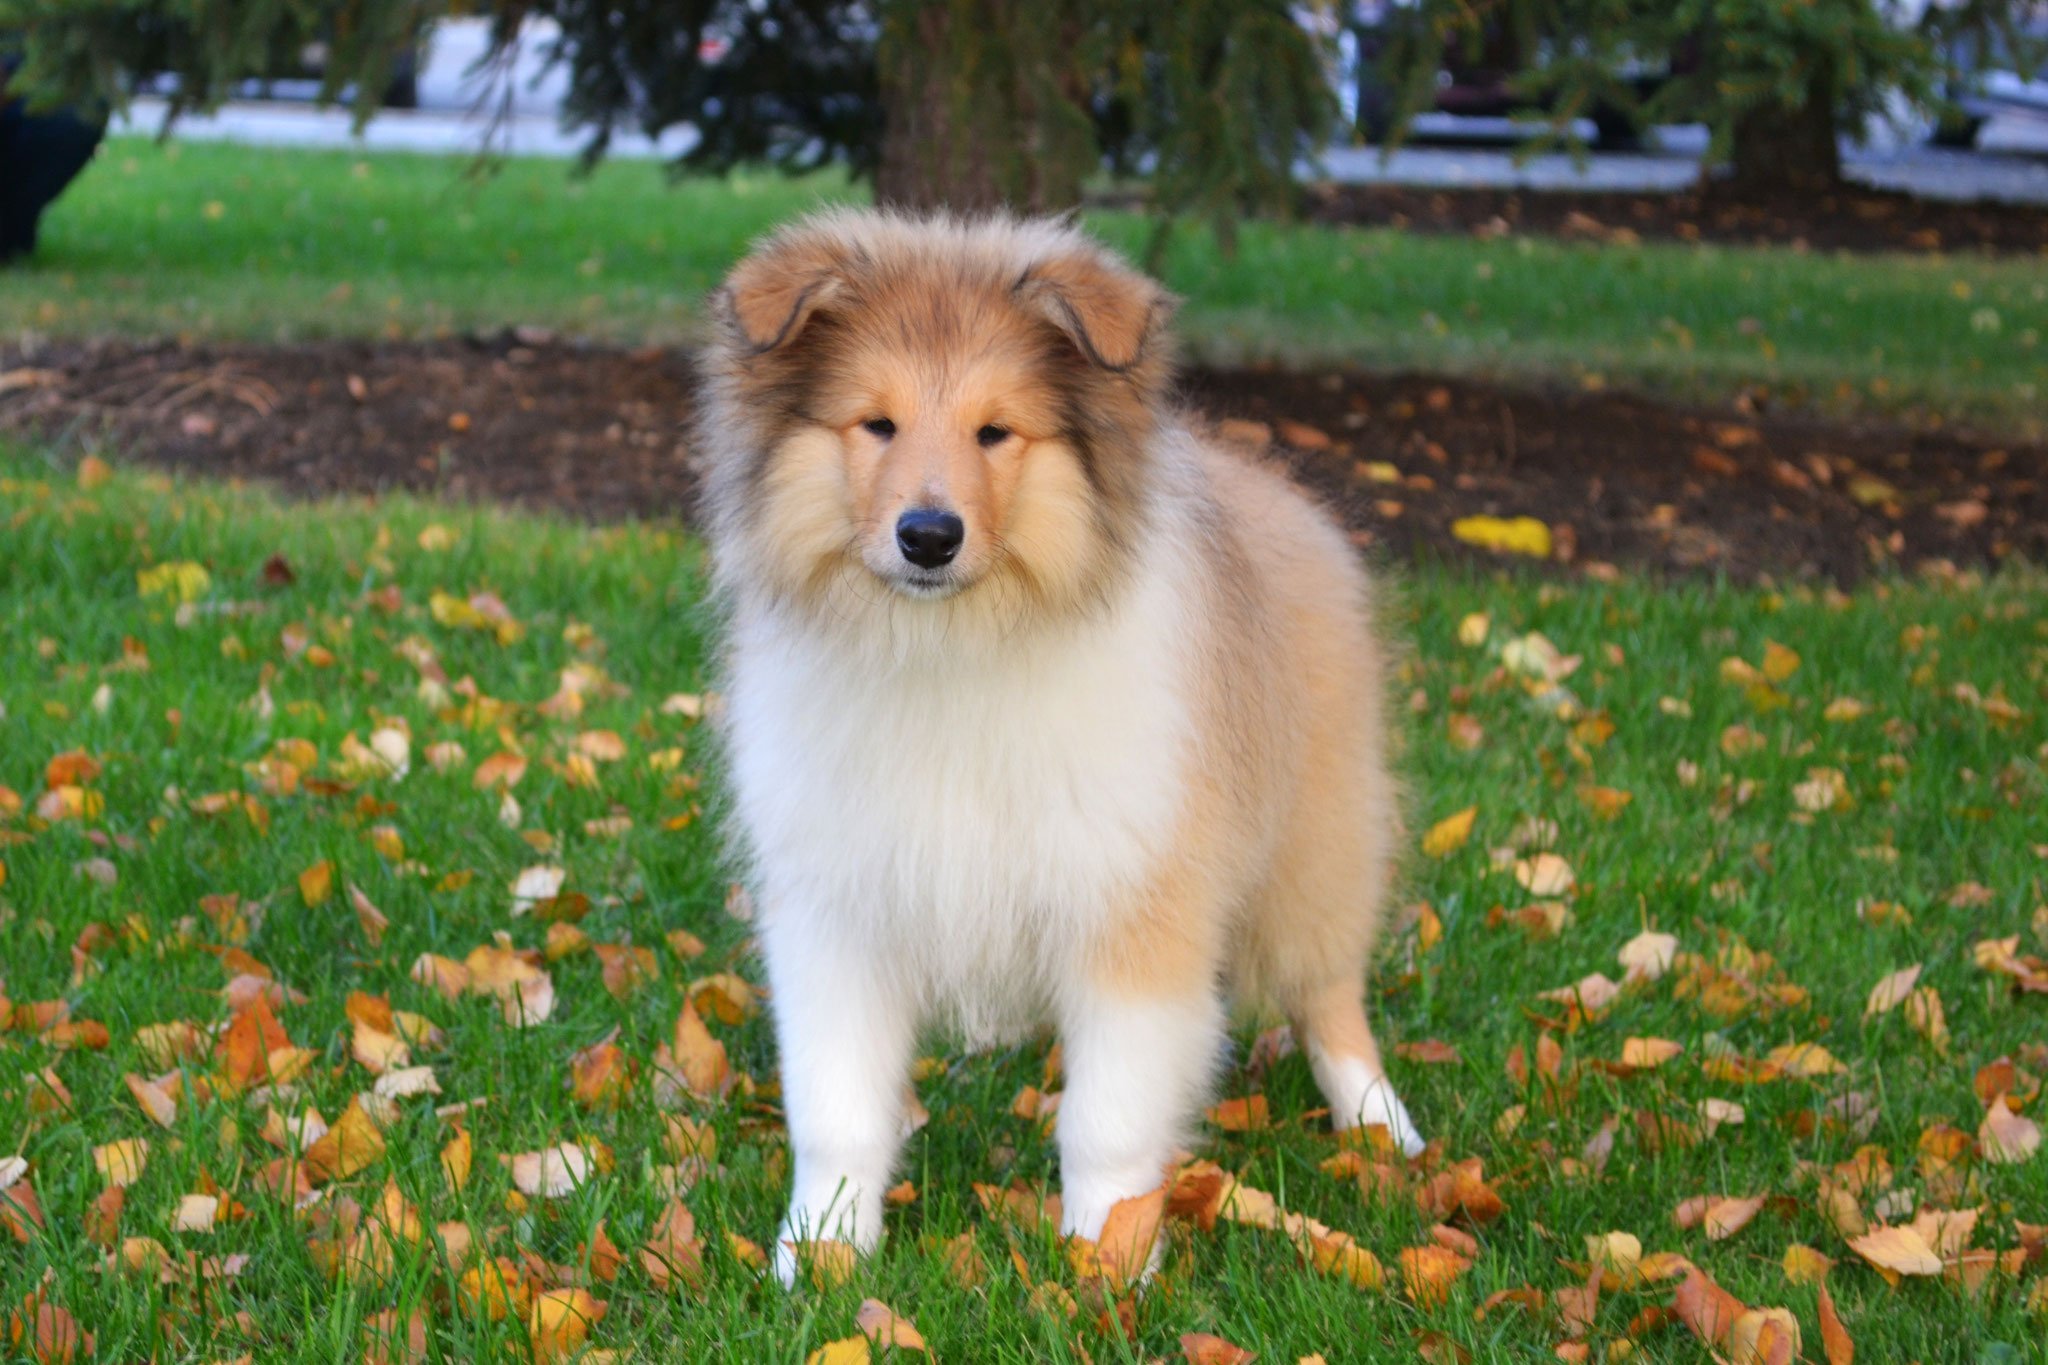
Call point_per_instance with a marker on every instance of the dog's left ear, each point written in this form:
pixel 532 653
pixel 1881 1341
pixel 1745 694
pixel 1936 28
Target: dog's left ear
pixel 772 293
pixel 1109 310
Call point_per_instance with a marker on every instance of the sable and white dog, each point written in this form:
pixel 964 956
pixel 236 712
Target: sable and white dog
pixel 1041 708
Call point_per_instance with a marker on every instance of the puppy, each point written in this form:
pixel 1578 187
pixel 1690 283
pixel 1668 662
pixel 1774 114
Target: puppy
pixel 1041 706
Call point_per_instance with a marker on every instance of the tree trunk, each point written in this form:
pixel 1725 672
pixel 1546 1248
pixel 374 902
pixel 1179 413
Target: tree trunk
pixel 966 121
pixel 1778 151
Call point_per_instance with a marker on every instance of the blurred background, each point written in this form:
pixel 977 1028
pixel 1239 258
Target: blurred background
pixel 1534 245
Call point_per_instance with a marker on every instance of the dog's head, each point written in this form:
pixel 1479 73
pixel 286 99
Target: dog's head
pixel 921 411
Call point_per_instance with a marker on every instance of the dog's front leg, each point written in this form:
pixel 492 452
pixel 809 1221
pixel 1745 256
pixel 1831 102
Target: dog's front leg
pixel 1138 1067
pixel 845 1033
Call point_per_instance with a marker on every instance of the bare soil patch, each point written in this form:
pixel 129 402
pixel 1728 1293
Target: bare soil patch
pixel 1851 219
pixel 1620 479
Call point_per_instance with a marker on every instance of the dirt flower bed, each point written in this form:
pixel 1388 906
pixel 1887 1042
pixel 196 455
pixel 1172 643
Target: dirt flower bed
pixel 1615 479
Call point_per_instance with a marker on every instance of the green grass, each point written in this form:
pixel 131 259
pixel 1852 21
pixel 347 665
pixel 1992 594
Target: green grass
pixel 1943 793
pixel 195 240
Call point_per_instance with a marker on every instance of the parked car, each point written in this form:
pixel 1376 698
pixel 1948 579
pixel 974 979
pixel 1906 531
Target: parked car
pixel 1991 83
pixel 1476 84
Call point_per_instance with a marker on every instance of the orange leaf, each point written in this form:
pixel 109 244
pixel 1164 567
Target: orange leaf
pixel 1834 1337
pixel 1241 1114
pixel 352 1144
pixel 1427 1273
pixel 1124 1249
pixel 1199 1348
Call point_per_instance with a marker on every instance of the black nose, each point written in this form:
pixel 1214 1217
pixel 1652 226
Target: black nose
pixel 928 537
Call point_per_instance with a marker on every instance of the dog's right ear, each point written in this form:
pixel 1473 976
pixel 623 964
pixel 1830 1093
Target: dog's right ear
pixel 772 293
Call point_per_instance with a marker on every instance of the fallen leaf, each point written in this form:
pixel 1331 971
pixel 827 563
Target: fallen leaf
pixel 1899 1250
pixel 121 1162
pixel 352 1143
pixel 1546 874
pixel 1427 1273
pixel 1643 1054
pixel 883 1326
pixel 1834 1337
pixel 553 1171
pixel 1648 955
pixel 1804 1265
pixel 1124 1249
pixel 1449 834
pixel 1888 993
pixel 561 1322
pixel 1200 1348
pixel 2005 1137
pixel 1720 1215
pixel 1510 535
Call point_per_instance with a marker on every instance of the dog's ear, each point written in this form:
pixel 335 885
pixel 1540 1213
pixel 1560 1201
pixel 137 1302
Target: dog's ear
pixel 1107 309
pixel 773 292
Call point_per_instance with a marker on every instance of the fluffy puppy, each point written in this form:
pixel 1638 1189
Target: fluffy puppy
pixel 1041 707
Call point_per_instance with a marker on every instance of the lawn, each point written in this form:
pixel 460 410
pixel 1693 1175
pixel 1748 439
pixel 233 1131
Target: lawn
pixel 256 772
pixel 207 241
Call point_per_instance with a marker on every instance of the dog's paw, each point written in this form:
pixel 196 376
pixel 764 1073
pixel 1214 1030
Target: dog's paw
pixel 1381 1105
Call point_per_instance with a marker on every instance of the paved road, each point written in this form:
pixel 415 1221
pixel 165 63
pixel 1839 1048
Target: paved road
pixel 2011 160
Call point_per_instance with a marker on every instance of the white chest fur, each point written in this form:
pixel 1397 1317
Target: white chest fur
pixel 966 817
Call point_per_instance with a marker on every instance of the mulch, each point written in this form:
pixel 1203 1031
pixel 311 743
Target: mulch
pixel 1851 219
pixel 1621 479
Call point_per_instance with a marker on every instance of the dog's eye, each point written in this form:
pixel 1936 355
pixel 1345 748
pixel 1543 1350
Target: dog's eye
pixel 880 426
pixel 992 435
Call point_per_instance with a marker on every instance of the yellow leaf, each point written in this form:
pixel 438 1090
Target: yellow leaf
pixel 181 580
pixel 1449 834
pixel 120 1163
pixel 93 472
pixel 1513 535
pixel 561 1323
pixel 1780 662
pixel 845 1351
pixel 316 883
pixel 1804 1265
pixel 1806 1059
